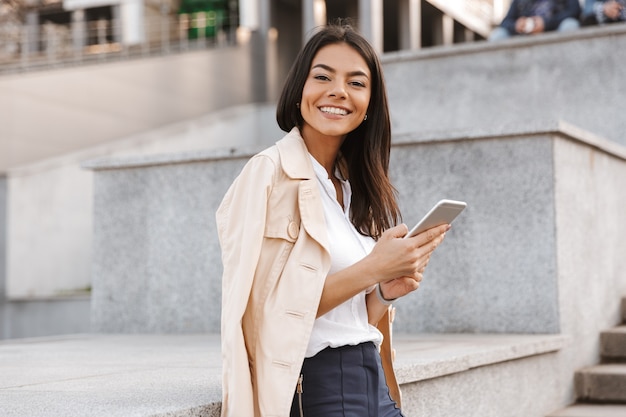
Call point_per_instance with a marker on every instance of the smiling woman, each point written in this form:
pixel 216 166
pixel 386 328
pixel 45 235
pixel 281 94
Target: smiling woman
pixel 334 99
pixel 312 254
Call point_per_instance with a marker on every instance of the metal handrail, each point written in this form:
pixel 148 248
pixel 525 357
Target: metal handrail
pixel 52 45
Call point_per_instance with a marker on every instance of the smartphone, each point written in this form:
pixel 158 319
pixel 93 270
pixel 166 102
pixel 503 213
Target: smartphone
pixel 443 212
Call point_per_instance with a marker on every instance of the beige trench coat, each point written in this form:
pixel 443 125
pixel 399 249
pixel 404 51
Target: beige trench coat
pixel 275 255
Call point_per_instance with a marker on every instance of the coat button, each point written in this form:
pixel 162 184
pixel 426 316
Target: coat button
pixel 292 230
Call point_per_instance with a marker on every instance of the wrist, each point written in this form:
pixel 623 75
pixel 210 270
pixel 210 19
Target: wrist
pixel 381 297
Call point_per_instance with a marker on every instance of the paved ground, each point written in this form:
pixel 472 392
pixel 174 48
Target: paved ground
pixel 110 375
pixel 102 375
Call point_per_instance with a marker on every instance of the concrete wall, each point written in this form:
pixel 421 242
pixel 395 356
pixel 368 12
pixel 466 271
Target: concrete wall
pixel 50 229
pixel 155 238
pixel 500 270
pixel 496 272
pixel 573 77
pixel 45 317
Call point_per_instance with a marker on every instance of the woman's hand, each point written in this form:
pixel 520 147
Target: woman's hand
pixel 423 246
pixel 402 261
pixel 400 264
pixel 391 258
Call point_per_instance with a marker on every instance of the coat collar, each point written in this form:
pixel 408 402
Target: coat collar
pixel 295 160
pixel 294 156
pixel 296 163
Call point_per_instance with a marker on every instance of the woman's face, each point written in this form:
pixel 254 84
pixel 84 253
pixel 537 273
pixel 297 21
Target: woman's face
pixel 336 93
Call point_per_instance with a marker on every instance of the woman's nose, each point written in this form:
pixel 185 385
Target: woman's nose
pixel 337 90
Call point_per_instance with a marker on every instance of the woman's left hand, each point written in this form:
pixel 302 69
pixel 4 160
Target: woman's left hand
pixel 401 286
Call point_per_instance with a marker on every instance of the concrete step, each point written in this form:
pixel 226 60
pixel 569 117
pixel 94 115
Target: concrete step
pixel 613 344
pixel 140 375
pixel 591 410
pixel 601 384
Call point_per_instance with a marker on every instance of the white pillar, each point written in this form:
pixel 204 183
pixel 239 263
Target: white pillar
pixel 447 26
pixel 32 29
pixel 132 20
pixel 371 22
pixel 79 30
pixel 255 25
pixel 313 15
pixel 249 14
pixel 264 16
pixel 254 15
pixel 410 22
pixel 308 19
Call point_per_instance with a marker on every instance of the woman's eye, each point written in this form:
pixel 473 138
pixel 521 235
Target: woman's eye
pixel 358 84
pixel 321 77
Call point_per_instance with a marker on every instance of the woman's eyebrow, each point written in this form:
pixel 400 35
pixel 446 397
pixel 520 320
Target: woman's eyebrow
pixel 331 69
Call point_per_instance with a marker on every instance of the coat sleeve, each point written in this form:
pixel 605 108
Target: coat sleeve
pixel 240 224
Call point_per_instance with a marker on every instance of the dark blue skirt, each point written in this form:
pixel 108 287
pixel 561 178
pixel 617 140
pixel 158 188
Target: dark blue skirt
pixel 344 382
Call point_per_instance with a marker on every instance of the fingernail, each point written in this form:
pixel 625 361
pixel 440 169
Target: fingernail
pixel 449 227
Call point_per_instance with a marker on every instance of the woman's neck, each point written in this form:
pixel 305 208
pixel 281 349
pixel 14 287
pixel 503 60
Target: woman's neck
pixel 324 149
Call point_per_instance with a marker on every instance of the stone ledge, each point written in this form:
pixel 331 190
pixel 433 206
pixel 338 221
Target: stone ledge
pixel 180 375
pixel 515 42
pixel 526 128
pixel 591 410
pixel 421 357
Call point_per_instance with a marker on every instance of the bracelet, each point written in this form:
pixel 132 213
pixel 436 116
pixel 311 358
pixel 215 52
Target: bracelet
pixel 382 299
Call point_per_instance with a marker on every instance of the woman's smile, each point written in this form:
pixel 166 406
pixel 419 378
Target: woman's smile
pixel 334 110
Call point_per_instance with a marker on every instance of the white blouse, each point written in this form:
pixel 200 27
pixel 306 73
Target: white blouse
pixel 347 323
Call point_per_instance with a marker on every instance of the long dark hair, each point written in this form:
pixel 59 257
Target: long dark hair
pixel 366 149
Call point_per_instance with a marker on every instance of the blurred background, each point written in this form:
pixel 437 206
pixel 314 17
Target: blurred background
pixel 82 79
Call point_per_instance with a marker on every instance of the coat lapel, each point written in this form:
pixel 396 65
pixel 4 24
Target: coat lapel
pixel 312 211
pixel 295 161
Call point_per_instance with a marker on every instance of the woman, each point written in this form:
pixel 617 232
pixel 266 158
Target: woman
pixel 312 259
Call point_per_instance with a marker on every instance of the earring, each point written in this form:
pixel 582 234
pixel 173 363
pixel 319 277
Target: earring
pixel 298 105
pixel 365 118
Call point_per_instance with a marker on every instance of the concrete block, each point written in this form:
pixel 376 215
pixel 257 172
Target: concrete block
pixel 602 383
pixel 180 375
pixel 471 284
pixel 157 264
pixel 613 344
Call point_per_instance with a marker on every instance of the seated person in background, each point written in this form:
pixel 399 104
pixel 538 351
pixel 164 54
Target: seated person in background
pixel 603 11
pixel 526 17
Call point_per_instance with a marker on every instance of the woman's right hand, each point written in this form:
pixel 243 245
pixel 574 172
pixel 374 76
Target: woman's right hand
pixel 395 257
